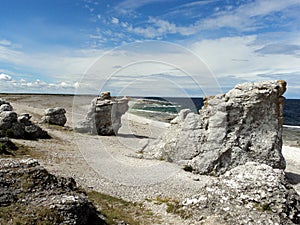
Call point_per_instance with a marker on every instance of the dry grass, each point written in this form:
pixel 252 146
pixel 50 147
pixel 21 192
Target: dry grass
pixel 116 210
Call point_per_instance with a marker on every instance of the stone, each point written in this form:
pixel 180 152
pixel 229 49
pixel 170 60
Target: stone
pixel 3 101
pixel 7 118
pixel 181 116
pixel 33 132
pixel 105 95
pixel 55 116
pixel 6 107
pixel 14 126
pixel 242 125
pixel 32 194
pixel 24 119
pixel 253 193
pixel 18 130
pixel 104 115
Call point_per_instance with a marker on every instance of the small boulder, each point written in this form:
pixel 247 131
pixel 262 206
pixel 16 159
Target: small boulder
pixel 3 101
pixel 7 118
pixel 24 119
pixel 6 107
pixel 55 116
pixel 14 126
pixel 34 132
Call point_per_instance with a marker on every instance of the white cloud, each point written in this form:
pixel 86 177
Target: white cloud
pixel 247 16
pixel 231 59
pixel 15 86
pixel 5 42
pixel 124 24
pixel 244 18
pixel 156 28
pixel 236 59
pixel 130 5
pixel 55 65
pixel 5 77
pixel 265 7
pixel 115 20
pixel 8 54
pixel 91 9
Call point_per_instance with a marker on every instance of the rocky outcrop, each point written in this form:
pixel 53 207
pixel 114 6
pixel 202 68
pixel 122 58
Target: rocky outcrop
pixel 242 125
pixel 104 115
pixel 249 194
pixel 55 116
pixel 5 105
pixel 30 195
pixel 12 125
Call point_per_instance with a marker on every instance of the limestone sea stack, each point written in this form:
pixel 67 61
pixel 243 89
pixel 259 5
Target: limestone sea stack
pixel 231 129
pixel 104 115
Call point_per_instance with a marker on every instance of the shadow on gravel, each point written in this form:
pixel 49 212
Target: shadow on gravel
pixel 292 178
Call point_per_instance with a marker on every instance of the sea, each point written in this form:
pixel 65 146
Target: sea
pixel 165 109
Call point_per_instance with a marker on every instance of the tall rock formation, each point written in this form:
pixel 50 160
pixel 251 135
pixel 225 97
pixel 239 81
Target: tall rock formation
pixel 240 126
pixel 104 115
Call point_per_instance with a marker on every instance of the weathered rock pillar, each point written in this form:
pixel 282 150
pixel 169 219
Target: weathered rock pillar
pixel 104 115
pixel 240 126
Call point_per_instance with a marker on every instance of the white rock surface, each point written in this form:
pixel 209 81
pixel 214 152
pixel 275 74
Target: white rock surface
pixel 104 115
pixel 242 125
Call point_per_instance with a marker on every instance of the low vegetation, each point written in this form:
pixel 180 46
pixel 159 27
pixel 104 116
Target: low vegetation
pixel 116 210
pixel 172 206
pixel 17 151
pixel 19 214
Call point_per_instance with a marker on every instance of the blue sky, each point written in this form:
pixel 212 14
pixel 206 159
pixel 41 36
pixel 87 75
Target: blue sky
pixel 147 47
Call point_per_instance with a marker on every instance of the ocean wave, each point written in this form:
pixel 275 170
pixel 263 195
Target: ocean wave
pixel 291 126
pixel 153 101
pixel 151 111
pixel 161 106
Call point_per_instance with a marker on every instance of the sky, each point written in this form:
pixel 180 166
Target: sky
pixel 147 47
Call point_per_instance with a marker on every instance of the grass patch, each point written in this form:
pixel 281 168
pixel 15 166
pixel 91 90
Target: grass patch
pixel 22 150
pixel 116 210
pixel 57 127
pixel 263 207
pixel 19 214
pixel 19 152
pixel 174 207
